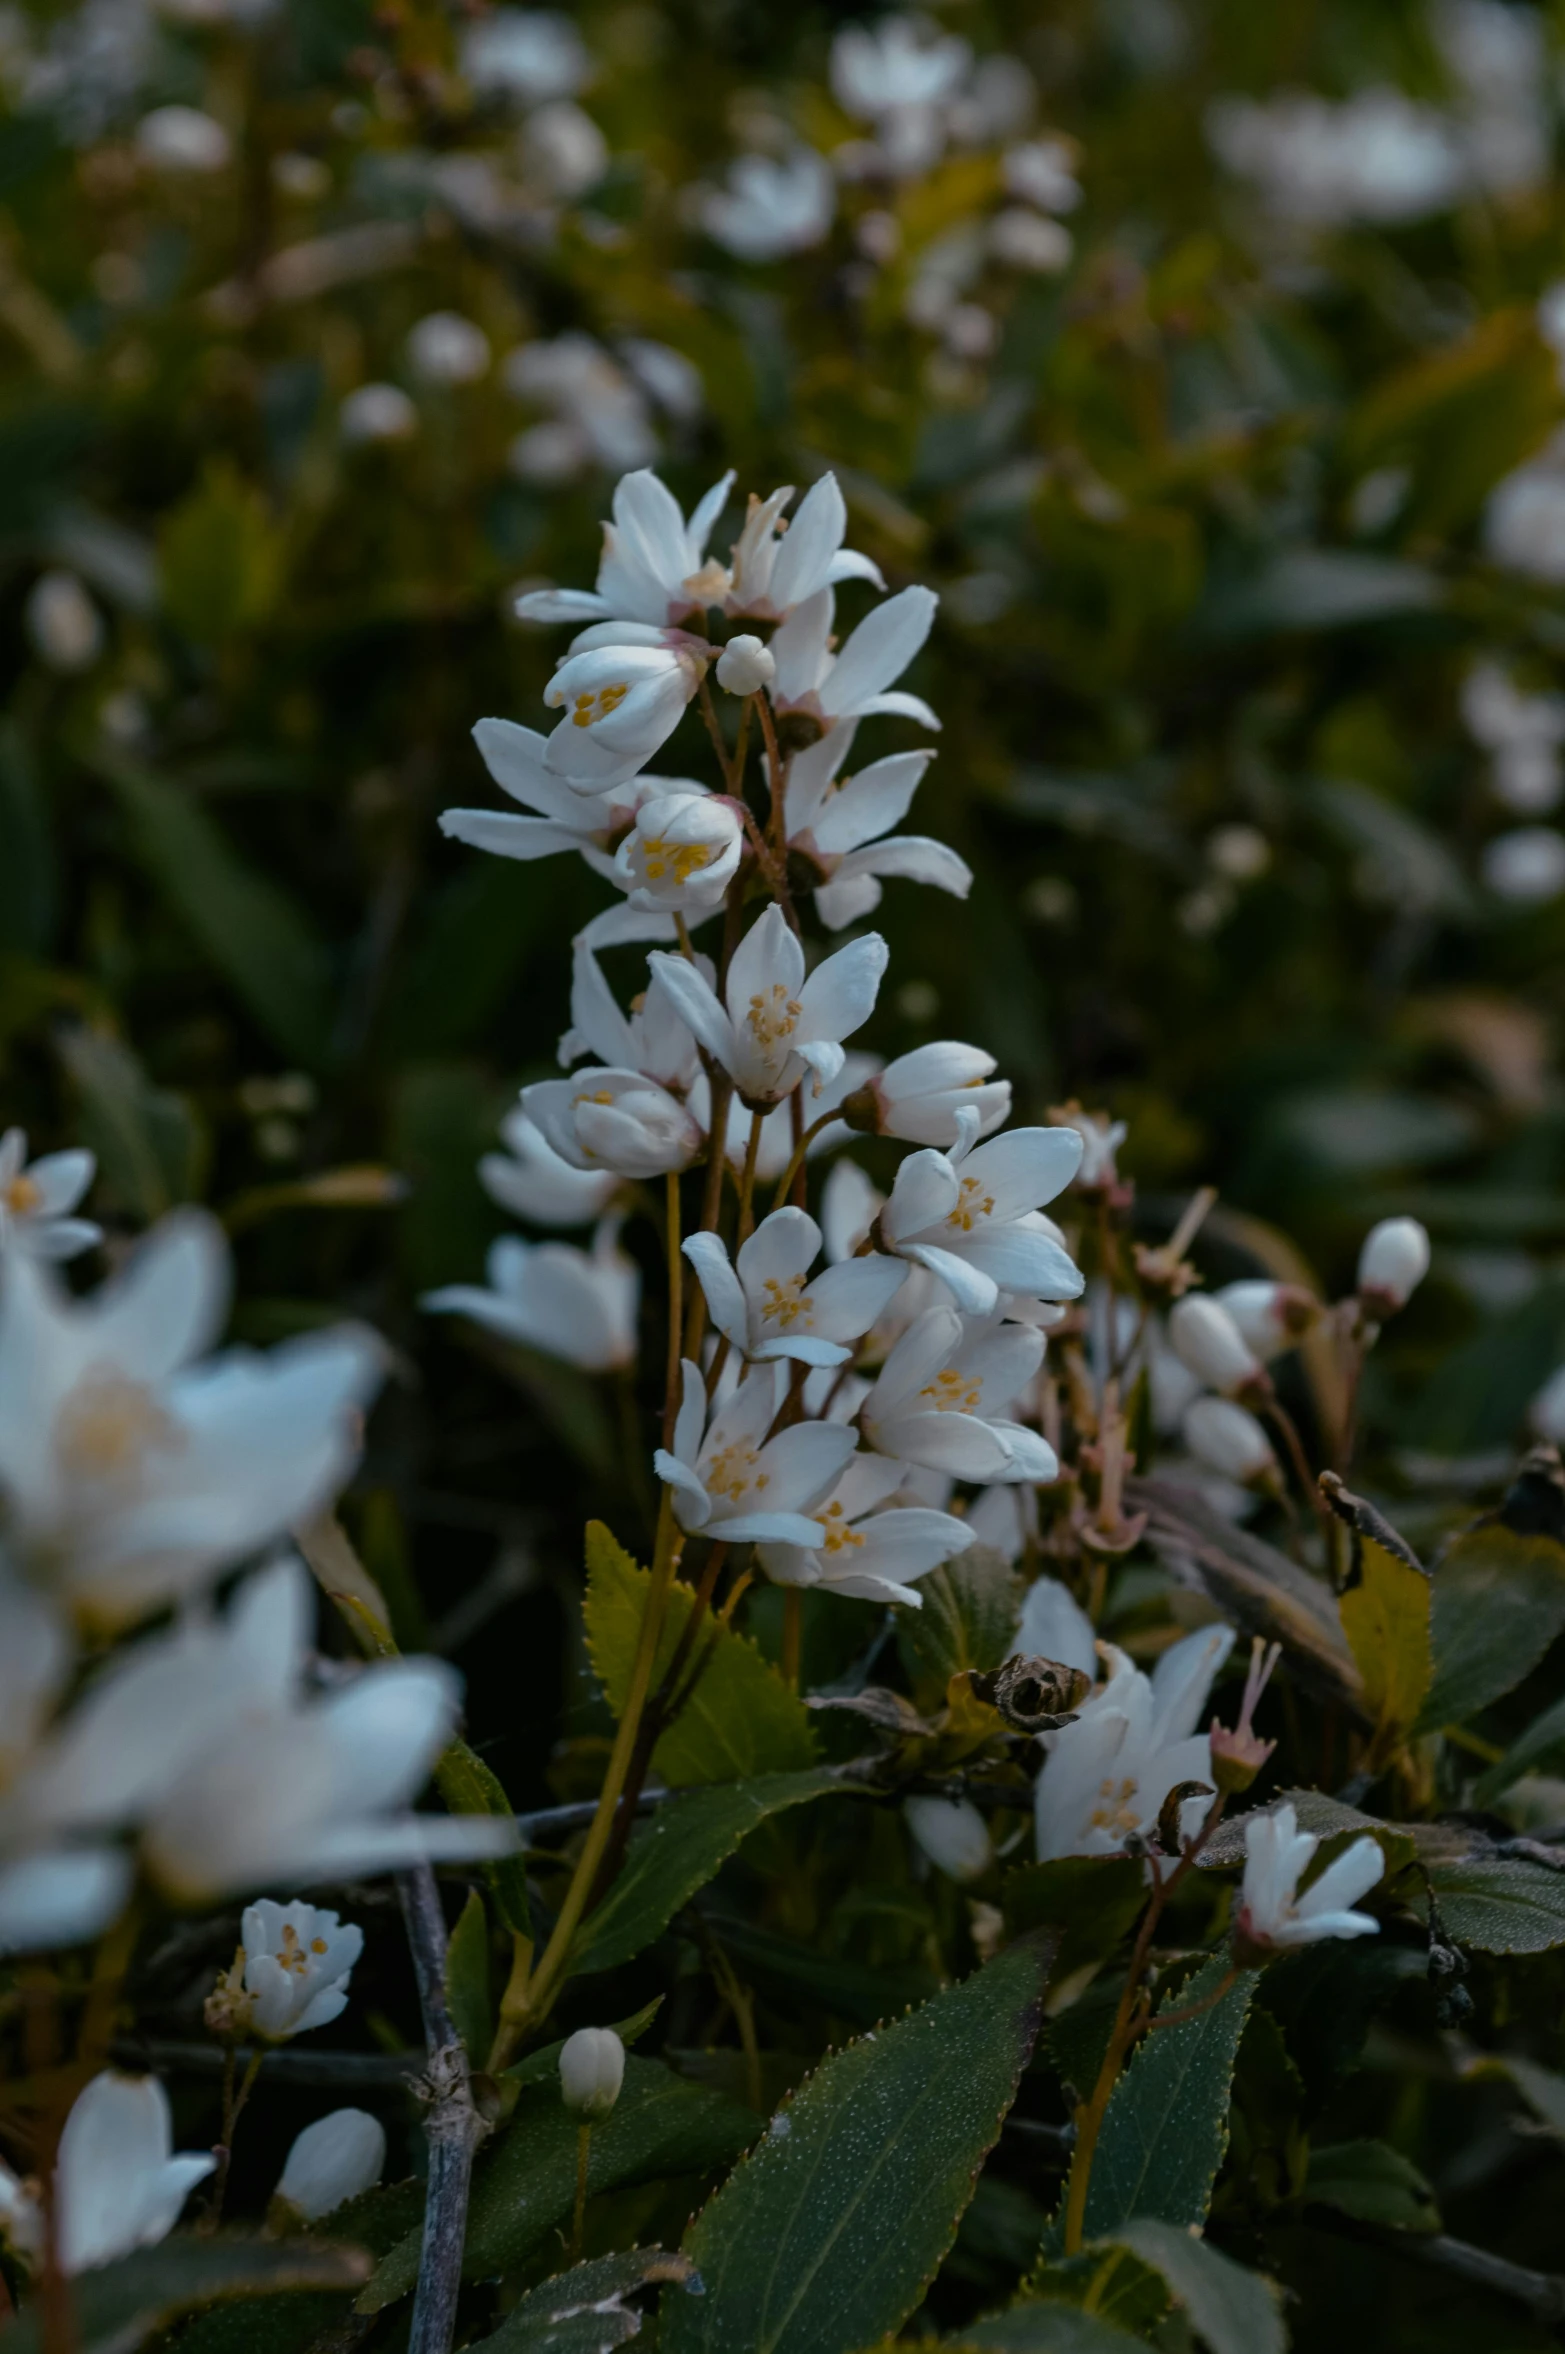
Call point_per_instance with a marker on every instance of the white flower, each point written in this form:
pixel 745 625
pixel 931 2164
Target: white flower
pixel 290 1974
pixel 1547 1411
pixel 653 1039
pixel 564 149
pixel 654 567
pixel 592 2069
pixel 63 623
pixel 1378 157
pixel 776 1025
pixel 838 828
pixel 36 1200
pixel 1101 1139
pixel 769 1307
pixel 614 1119
pixel 858 681
pixel 1042 172
pixel 869 1552
pixel 530 1179
pixel 602 415
pixel 1526 866
pixel 745 666
pixel 1271 1911
pixel 564 819
pixel 778 563
pixel 681 854
pixel 1107 1775
pixel 571 1304
pixel 941 1394
pixel 131 1474
pixel 533 54
pixel 1227 1438
pixel 1392 1265
pixel 1054 1626
pixel 897 74
pixel 734 1482
pixel 50 1895
pixel 118 2185
pixel 1524 518
pixel 183 139
pixel 444 348
pixel 952 1833
pixel 623 694
pixel 921 1096
pixel 377 412
pixel 1271 1316
pixel 1024 240
pixel 334 2160
pixel 770 208
pixel 1522 734
pixel 1209 1343
pixel 968 1215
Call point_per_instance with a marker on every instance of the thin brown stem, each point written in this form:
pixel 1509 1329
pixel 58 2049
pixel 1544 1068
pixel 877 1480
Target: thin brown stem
pixel 801 1147
pixel 676 1309
pixel 1288 1430
pixel 747 1179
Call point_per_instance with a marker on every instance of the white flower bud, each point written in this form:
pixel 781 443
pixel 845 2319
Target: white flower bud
pixel 1226 1438
pixel 952 1833
pixel 565 148
pixel 445 348
pixel 1547 1412
pixel 333 2160
pixel 1206 1339
pixel 64 624
pixel 377 412
pixel 1271 1316
pixel 182 139
pixel 592 2069
pixel 745 666
pixel 1392 1265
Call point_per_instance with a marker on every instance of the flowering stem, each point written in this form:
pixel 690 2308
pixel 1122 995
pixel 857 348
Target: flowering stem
pixel 1283 1423
pixel 796 1162
pixel 233 2107
pixel 661 1710
pixel 583 2157
pixel 676 1310
pixel 526 1999
pixel 747 1179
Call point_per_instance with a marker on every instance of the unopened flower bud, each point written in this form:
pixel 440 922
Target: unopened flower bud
pixel 952 1833
pixel 1392 1265
pixel 592 2069
pixel 333 2160
pixel 1547 1412
pixel 1207 1340
pixel 1271 1316
pixel 64 624
pixel 1227 1438
pixel 746 665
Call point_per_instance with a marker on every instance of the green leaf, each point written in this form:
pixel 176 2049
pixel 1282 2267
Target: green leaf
pixel 794 1971
pixel 526 2184
pixel 297 2322
pixel 1499 1599
pixel 827 2235
pixel 469 1997
pixel 969 1617
pixel 1543 1736
pixel 1166 2126
pixel 742 1720
pixel 1385 1607
pixel 218 558
pixel 583 2311
pixel 149 1146
pixel 250 929
pixel 1500 1904
pixel 1373 2183
pixel 1234 2310
pixel 1325 1996
pixel 1318 588
pixel 1046 2327
pixel 1540 2088
pixel 1093 1901
pixel 685 1843
pixel 120 2307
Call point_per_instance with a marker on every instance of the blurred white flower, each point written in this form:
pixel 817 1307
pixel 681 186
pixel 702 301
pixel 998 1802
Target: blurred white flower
pixel 843 828
pixel 1042 172
pixel 941 1395
pixel 532 54
pixel 1498 56
pixel 289 1976
pixel 1522 734
pixel 1027 240
pixel 132 1473
pixel 952 1833
pixel 444 348
pixel 770 208
pixel 1107 1775
pixel 602 413
pixel 37 1198
pixel 63 623
pixel 1208 1340
pixel 733 1482
pixel 1271 1316
pixel 968 1215
pixel 1272 1914
pixel 772 1025
pixel 1524 519
pixel 377 412
pixel 766 1303
pixel 577 1305
pixel 1527 865
pixel 334 2160
pixel 181 139
pixel 530 1179
pixel 1054 1626
pixel 118 2185
pixel 897 75
pixel 1378 157
pixel 564 149
pixel 1228 1439
pixel 1547 1411
pixel 1392 1264
pixel 870 1552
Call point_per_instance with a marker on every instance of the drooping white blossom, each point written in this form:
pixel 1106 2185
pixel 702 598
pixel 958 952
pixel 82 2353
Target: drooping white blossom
pixel 1273 1914
pixel 940 1399
pixel 577 1305
pixel 1392 1264
pixel 592 2069
pixel 37 1198
pixel 969 1215
pixel 290 1974
pixel 118 2184
pixel 1107 1775
pixel 952 1833
pixel 873 1549
pixel 334 2160
pixel 618 1120
pixel 771 1025
pixel 731 1480
pixel 623 690
pixel 766 1302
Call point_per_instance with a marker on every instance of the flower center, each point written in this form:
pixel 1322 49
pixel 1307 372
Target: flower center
pixel 709 586
pixel 786 1301
pixel 685 858
pixel 21 1197
pixel 1116 1810
pixel 773 1015
pixel 294 1955
pixel 838 1534
pixel 732 1473
pixel 971 1205
pixel 588 709
pixel 953 1392
pixel 109 1425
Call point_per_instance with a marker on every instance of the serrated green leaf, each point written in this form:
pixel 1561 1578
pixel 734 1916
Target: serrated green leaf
pixel 743 1720
pixel 1386 1608
pixel 686 1842
pixel 1325 1996
pixel 1543 1737
pixel 295 2323
pixel 1500 1904
pixel 1499 1600
pixel 969 1615
pixel 826 2236
pixel 1046 2327
pixel 1093 1901
pixel 1234 2310
pixel 468 1995
pixel 1373 2183
pixel 526 2183
pixel 1166 2126
pixel 118 2308
pixel 583 2311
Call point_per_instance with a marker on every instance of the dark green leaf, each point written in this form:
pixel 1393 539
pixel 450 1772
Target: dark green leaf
pixel 1325 1996
pixel 969 1616
pixel 583 2311
pixel 1234 2310
pixel 119 2307
pixel 1386 1606
pixel 795 1971
pixel 1543 1737
pixel 527 2183
pixel 1093 1901
pixel 219 557
pixel 825 2238
pixel 1373 2183
pixel 150 1148
pixel 27 869
pixel 685 1843
pixel 468 1994
pixel 295 2323
pixel 1044 2328
pixel 1500 1904
pixel 1319 588
pixel 1499 1600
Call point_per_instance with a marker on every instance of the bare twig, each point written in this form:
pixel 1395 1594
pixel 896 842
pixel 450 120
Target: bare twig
pixel 452 2125
pixel 1540 2294
pixel 369 2071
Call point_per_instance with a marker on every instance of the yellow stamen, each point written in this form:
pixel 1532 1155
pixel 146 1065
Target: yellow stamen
pixel 588 709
